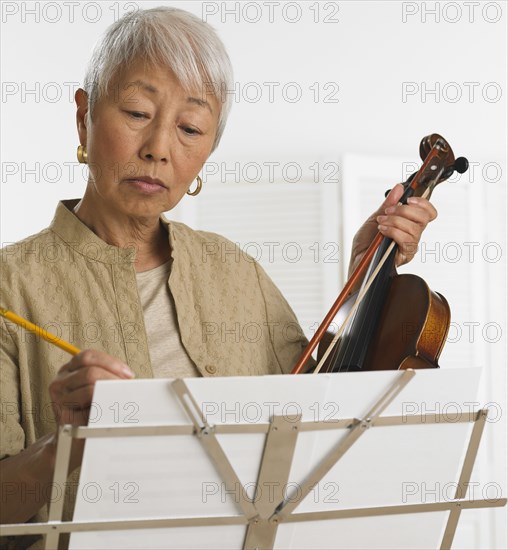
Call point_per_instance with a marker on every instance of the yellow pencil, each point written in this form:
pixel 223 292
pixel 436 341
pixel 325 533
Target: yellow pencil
pixel 51 338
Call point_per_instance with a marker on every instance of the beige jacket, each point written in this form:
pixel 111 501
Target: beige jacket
pixel 232 318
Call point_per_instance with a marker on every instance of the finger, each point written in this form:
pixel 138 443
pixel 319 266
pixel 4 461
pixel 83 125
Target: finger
pixel 422 211
pixel 394 195
pixel 96 358
pixel 392 198
pixel 401 259
pixel 403 231
pixel 412 214
pixel 75 390
pixel 412 227
pixel 86 377
pixel 424 204
pixel 406 251
pixel 78 400
pixel 407 244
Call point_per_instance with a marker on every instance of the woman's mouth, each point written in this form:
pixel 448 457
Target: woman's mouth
pixel 146 185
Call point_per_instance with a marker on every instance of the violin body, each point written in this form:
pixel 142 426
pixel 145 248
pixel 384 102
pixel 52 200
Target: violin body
pixel 415 323
pixel 406 329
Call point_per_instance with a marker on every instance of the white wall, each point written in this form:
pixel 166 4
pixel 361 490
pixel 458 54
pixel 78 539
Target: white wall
pixel 368 51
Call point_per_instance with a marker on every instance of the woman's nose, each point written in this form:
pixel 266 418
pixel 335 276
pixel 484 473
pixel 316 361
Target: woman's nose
pixel 157 145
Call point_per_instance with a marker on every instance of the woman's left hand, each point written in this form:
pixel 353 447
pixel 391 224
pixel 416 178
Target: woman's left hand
pixel 404 224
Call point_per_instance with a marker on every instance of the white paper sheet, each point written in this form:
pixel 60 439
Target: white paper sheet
pixel 172 476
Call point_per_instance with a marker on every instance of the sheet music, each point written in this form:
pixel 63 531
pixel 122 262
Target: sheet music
pixel 172 476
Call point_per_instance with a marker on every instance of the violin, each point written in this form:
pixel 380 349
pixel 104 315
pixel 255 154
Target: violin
pixel 394 321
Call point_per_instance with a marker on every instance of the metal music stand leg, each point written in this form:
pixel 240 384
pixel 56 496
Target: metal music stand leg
pixel 465 476
pixel 206 435
pixel 273 475
pixel 343 445
pixel 63 454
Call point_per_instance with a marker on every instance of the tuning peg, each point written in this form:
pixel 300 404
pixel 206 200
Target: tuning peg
pixel 461 165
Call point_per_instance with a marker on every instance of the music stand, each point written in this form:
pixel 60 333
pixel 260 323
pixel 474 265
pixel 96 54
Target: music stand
pixel 281 477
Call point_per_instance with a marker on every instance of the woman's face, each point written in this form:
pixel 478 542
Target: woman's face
pixel 146 128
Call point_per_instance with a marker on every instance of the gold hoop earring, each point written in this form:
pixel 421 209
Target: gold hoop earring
pixel 198 188
pixel 82 154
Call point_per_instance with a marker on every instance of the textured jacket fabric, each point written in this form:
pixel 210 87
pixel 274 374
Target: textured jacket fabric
pixel 232 319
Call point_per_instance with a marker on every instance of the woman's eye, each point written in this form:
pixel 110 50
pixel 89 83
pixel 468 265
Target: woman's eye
pixel 190 131
pixel 136 114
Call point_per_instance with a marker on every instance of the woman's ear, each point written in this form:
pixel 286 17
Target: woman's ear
pixel 81 98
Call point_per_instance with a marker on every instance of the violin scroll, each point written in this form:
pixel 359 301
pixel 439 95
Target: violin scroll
pixel 439 164
pixel 435 141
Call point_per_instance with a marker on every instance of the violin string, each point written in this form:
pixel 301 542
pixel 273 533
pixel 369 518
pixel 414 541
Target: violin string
pixel 348 344
pixel 359 298
pixel 363 291
pixel 354 345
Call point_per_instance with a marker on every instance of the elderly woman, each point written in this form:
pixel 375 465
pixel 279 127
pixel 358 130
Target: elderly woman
pixel 132 289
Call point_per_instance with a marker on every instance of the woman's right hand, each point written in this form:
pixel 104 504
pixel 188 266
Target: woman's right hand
pixel 71 390
pixel 31 470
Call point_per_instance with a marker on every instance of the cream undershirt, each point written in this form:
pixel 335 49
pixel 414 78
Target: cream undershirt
pixel 168 356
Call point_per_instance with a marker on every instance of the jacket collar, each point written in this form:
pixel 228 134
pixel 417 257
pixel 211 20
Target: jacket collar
pixel 85 242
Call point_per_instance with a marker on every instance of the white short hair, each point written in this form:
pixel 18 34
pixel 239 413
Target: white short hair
pixel 170 37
